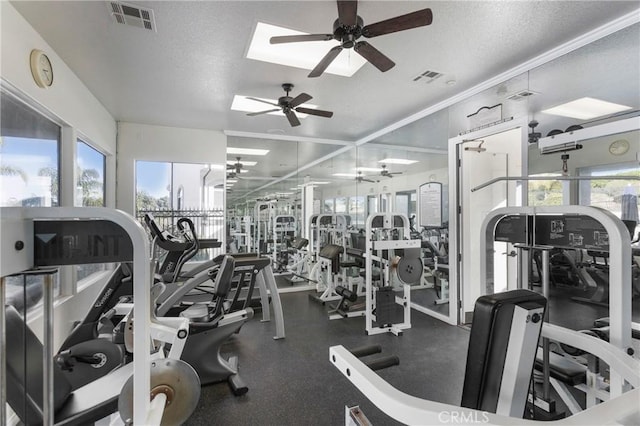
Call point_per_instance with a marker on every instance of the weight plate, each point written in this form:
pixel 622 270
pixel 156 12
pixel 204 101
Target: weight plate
pixel 177 380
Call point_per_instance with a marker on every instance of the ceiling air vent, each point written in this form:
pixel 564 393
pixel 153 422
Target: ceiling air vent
pixel 523 94
pixel 128 14
pixel 427 76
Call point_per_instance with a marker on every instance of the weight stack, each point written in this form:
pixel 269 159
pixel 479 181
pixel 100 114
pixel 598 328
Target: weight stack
pixel 502 348
pixel 387 310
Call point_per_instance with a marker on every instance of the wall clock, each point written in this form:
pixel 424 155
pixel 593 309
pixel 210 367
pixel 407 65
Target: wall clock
pixel 41 68
pixel 619 147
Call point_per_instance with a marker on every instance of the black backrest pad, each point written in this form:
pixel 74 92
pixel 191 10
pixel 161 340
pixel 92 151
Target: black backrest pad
pixel 492 319
pixel 24 372
pixel 224 277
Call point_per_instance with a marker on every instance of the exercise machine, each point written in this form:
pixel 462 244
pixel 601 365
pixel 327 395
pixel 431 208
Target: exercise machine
pixel 50 236
pixel 388 249
pixel 545 228
pixel 502 347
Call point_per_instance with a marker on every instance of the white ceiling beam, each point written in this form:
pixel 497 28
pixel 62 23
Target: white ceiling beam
pixel 409 148
pixel 288 138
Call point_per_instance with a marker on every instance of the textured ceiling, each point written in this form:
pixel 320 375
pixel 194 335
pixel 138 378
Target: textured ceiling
pixel 186 73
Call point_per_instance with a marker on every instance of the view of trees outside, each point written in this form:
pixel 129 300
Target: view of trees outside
pixel 608 193
pixel 90 176
pixel 153 185
pixel 28 172
pixel 545 192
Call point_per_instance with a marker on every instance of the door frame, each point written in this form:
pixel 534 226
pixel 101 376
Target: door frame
pixel 456 308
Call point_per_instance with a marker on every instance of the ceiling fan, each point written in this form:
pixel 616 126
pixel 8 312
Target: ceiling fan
pixel 349 27
pixel 234 169
pixel 361 178
pixel 288 105
pixel 386 173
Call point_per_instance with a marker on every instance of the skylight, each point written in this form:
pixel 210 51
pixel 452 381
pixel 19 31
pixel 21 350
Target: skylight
pixel 305 55
pixel 246 151
pixel 241 103
pixel 397 161
pixel 586 108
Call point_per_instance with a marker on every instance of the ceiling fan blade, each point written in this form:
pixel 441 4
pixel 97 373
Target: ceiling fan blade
pixel 373 55
pixel 348 12
pixel 325 62
pixel 299 38
pixel 261 100
pixel 300 99
pixel 252 114
pixel 318 112
pixel 416 19
pixel 293 119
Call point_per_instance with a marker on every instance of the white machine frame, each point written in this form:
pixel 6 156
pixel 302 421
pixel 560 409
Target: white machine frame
pixel 373 256
pixel 16 225
pixel 619 271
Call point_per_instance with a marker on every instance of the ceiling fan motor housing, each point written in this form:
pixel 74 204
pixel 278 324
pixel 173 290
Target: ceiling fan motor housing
pixel 347 35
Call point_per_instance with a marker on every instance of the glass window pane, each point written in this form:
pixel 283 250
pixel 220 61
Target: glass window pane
pixel 341 205
pixel 90 179
pixel 545 192
pixel 620 197
pixel 153 183
pixel 29 156
pixel 329 205
pixel 356 210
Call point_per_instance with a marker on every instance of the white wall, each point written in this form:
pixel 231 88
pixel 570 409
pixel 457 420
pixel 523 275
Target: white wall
pixel 157 143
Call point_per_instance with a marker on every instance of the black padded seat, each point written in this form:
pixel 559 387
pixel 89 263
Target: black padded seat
pixel 563 368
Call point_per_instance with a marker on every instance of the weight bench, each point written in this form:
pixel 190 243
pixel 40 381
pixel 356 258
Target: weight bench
pixel 562 368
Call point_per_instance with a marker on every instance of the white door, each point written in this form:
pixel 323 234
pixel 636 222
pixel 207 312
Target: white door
pixel 485 159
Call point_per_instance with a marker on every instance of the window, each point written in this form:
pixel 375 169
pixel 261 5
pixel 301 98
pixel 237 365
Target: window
pixel 29 165
pixel 29 159
pixel 341 205
pixel 329 205
pixel 406 203
pixel 546 192
pixel 356 210
pixel 170 191
pixel 90 179
pixel 612 194
pixel 372 204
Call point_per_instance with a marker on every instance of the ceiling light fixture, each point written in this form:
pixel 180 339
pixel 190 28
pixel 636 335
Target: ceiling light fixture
pixel 300 55
pixel 367 169
pixel 246 151
pixel 397 161
pixel 586 108
pixel 345 174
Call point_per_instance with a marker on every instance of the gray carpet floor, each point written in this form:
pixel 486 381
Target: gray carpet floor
pixel 291 381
